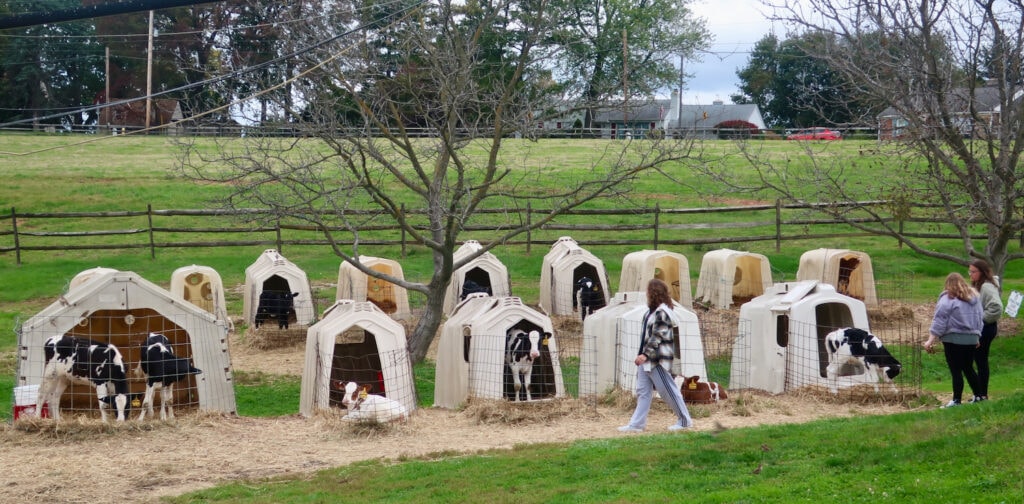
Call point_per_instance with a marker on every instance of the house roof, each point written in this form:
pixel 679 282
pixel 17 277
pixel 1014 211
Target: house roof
pixel 692 115
pixel 986 100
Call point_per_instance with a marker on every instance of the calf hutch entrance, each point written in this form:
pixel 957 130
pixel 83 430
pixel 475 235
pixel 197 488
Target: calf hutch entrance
pixel 471 353
pixel 201 286
pixel 641 266
pixel 272 274
pixel 358 286
pixel 849 271
pixel 122 308
pixel 730 277
pixel 563 272
pixel 484 274
pixel 355 341
pixel 781 340
pixel 611 342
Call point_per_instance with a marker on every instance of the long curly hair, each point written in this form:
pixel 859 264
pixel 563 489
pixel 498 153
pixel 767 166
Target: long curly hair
pixel 657 294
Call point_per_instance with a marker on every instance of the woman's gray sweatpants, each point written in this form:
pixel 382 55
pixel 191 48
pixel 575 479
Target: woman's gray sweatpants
pixel 658 378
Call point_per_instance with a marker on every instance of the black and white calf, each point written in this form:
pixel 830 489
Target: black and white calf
pixel 521 350
pixel 853 351
pixel 70 359
pixel 471 287
pixel 277 306
pixel 587 296
pixel 162 369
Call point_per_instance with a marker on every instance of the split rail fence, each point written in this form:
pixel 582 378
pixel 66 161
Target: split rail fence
pixel 654 227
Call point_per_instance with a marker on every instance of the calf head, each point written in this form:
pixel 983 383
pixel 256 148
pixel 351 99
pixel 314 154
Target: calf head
pixel 354 394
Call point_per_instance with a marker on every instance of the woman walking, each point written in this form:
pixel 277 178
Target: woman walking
pixel 654 362
pixel 957 323
pixel 992 307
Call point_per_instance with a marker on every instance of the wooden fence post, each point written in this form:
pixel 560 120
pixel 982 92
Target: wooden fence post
pixel 17 244
pixel 152 242
pixel 657 223
pixel 401 218
pixel 778 225
pixel 529 230
pixel 277 225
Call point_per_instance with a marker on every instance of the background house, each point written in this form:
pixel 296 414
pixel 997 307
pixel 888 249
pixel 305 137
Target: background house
pixel 701 121
pixel 984 101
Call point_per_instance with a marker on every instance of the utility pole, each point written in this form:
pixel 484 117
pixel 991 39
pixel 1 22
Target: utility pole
pixel 682 76
pixel 149 72
pixel 625 84
pixel 105 114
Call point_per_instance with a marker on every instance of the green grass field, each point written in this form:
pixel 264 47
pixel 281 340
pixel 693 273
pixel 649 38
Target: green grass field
pixel 970 454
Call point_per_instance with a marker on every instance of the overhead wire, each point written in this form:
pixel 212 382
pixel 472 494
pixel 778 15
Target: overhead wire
pixel 405 12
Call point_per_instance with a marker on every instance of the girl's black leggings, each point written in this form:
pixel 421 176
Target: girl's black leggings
pixel 960 359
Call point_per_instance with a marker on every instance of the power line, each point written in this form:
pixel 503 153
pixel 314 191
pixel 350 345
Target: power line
pixel 91 11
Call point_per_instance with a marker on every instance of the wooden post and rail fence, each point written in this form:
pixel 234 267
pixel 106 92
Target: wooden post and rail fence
pixel 649 227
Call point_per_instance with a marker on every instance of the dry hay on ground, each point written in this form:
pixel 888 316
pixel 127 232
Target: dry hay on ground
pixel 268 338
pixel 48 461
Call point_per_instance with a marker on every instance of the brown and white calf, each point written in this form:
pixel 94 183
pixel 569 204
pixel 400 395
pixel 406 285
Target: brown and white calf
pixel 853 351
pixel 697 392
pixel 162 370
pixel 70 359
pixel 364 406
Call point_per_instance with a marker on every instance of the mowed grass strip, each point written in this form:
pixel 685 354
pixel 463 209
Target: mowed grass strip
pixel 966 454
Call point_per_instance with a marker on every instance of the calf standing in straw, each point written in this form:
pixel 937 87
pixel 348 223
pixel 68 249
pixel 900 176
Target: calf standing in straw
pixel 654 362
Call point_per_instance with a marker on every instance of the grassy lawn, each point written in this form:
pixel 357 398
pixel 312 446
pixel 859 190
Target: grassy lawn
pixel 968 454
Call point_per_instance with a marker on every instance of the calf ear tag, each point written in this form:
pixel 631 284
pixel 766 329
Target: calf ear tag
pixel 692 386
pixel 362 393
pixel 136 403
pixel 544 341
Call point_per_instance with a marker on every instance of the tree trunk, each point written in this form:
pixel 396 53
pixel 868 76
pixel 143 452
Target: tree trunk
pixel 426 329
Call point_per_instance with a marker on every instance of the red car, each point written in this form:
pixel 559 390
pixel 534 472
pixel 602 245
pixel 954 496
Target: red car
pixel 815 134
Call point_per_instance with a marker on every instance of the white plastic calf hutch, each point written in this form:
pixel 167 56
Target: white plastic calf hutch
pixel 781 340
pixel 471 352
pixel 271 272
pixel 563 266
pixel 122 308
pixel 358 286
pixel 730 277
pixel 849 271
pixel 485 272
pixel 611 342
pixel 203 287
pixel 355 341
pixel 641 266
pixel 86 275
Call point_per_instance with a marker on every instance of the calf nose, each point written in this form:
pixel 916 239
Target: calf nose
pixel 534 354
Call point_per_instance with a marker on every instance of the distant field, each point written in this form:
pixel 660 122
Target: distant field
pixel 88 173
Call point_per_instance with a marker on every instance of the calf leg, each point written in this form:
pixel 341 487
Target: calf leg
pixel 526 382
pixel 166 402
pixel 50 393
pixel 147 402
pixel 832 372
pixel 101 393
pixel 518 385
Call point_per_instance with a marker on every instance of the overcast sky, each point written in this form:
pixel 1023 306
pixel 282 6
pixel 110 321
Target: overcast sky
pixel 737 25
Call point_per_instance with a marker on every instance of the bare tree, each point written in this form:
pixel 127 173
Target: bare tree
pixel 950 74
pixel 437 122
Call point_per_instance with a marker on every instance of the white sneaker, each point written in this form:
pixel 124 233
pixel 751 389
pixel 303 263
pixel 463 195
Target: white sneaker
pixel 678 427
pixel 951 403
pixel 627 428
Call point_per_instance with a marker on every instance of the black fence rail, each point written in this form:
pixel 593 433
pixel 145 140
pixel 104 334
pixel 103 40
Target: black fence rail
pixel 654 227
